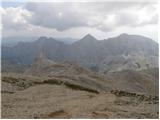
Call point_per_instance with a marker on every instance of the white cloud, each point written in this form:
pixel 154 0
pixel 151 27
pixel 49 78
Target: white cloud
pixel 15 18
pixel 77 19
pixel 105 16
pixel 55 15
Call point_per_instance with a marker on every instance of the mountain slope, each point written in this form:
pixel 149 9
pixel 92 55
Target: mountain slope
pixel 66 72
pixel 144 81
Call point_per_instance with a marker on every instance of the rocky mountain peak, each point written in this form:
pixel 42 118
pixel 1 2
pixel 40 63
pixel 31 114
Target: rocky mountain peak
pixel 124 34
pixel 89 37
pixel 42 38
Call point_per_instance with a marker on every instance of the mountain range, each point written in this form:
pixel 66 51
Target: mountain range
pixel 114 54
pixel 12 41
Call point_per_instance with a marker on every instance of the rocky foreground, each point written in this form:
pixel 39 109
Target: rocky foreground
pixel 26 99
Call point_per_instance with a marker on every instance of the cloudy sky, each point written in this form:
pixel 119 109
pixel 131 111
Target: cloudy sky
pixel 101 19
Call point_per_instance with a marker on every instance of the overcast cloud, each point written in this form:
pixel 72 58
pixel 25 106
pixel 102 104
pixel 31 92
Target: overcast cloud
pixel 77 19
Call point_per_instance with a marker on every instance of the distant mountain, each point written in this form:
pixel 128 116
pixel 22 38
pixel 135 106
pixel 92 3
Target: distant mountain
pixel 67 40
pixel 24 53
pixel 129 52
pixel 86 51
pixel 113 54
pixel 12 41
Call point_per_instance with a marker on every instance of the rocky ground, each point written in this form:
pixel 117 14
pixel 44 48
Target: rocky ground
pixel 60 101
